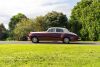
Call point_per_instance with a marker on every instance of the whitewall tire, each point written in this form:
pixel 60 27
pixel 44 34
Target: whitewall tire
pixel 66 40
pixel 35 40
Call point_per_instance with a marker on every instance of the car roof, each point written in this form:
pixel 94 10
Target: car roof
pixel 58 27
pixel 65 29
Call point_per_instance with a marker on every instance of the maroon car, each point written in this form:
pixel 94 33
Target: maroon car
pixel 53 34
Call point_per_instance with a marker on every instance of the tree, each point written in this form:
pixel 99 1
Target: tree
pixel 75 26
pixel 15 19
pixel 2 28
pixel 3 33
pixel 85 19
pixel 39 23
pixel 55 19
pixel 22 29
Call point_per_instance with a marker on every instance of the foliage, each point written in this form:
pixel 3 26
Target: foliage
pixel 15 19
pixel 2 28
pixel 85 19
pixel 49 55
pixel 39 23
pixel 55 19
pixel 22 29
pixel 10 36
pixel 52 19
pixel 75 26
pixel 3 33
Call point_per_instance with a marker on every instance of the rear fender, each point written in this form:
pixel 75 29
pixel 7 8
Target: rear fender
pixel 65 36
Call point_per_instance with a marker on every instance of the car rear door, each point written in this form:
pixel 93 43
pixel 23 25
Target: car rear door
pixel 56 34
pixel 59 32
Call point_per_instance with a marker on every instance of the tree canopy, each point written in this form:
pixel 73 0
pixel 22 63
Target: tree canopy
pixel 85 19
pixel 15 19
pixel 39 23
pixel 22 29
pixel 55 19
pixel 51 19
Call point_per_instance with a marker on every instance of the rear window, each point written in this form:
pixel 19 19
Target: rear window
pixel 59 30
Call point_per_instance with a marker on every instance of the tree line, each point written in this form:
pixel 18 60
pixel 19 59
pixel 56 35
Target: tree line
pixel 84 21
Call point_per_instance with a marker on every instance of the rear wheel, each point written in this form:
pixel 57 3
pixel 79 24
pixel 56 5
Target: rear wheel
pixel 66 40
pixel 35 40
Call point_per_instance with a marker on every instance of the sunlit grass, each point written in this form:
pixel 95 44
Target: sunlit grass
pixel 51 55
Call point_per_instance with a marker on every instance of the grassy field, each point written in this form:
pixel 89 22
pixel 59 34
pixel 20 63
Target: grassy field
pixel 49 55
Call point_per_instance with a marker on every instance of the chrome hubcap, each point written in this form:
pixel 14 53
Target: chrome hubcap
pixel 34 39
pixel 66 40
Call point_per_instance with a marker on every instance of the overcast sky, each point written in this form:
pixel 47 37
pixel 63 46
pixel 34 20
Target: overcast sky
pixel 33 8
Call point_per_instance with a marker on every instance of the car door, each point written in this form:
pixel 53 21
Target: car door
pixel 59 32
pixel 51 34
pixel 46 36
pixel 55 34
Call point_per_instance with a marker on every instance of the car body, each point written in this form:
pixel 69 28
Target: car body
pixel 53 34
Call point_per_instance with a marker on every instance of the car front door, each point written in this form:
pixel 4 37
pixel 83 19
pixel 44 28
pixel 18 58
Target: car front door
pixel 51 34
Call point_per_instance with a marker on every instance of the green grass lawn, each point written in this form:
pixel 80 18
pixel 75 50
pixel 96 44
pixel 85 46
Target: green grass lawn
pixel 49 55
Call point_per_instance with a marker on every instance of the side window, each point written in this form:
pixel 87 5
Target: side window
pixel 59 30
pixel 51 30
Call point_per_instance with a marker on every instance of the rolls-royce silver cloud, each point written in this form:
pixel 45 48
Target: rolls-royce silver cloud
pixel 53 34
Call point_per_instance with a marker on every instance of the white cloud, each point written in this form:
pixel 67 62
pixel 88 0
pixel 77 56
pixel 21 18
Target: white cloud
pixel 33 8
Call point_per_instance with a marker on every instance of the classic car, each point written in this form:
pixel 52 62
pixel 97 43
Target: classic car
pixel 53 34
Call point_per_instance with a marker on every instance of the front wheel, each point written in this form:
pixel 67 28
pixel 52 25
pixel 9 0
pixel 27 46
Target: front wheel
pixel 66 40
pixel 35 40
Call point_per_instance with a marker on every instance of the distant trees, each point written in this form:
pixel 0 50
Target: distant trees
pixel 51 19
pixel 85 19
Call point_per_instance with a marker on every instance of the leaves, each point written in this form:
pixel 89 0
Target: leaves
pixel 22 29
pixel 87 13
pixel 15 19
pixel 39 23
pixel 55 19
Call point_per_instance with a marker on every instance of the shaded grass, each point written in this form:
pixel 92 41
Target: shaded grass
pixel 49 55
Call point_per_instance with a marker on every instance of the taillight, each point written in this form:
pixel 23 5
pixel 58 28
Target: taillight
pixel 29 34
